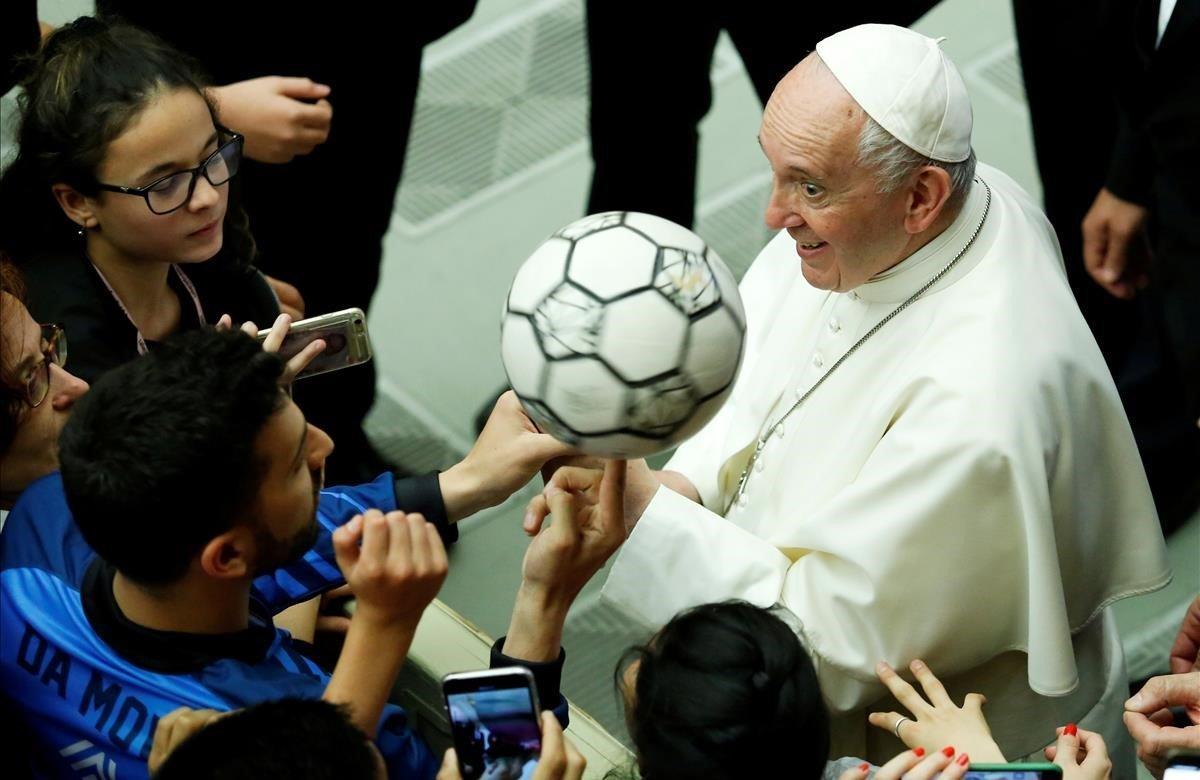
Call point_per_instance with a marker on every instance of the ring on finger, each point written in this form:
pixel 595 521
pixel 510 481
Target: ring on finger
pixel 900 722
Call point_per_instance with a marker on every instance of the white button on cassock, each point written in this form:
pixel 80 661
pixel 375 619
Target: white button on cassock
pixel 818 361
pixel 834 325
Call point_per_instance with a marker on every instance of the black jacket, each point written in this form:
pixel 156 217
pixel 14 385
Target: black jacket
pixel 1156 161
pixel 64 289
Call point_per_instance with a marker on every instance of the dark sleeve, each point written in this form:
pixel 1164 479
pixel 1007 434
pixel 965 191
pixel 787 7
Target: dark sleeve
pixel 1129 176
pixel 547 676
pixel 20 35
pixel 423 495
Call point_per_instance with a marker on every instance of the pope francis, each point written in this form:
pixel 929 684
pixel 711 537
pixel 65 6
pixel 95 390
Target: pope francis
pixel 924 455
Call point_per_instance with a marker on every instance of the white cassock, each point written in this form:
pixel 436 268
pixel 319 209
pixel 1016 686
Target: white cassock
pixel 964 489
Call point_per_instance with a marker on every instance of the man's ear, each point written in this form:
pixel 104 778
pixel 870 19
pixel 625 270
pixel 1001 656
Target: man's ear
pixel 927 199
pixel 229 556
pixel 78 207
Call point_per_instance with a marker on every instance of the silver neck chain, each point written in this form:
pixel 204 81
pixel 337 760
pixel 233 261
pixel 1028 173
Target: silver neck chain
pixel 740 494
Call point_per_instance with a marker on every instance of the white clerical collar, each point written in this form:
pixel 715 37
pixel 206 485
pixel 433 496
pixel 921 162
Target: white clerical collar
pixel 906 277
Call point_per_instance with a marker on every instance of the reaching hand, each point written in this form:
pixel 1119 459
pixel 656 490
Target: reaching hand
pixel 174 728
pixel 1151 724
pixel 943 764
pixel 1185 653
pixel 398 569
pixel 939 721
pixel 559 759
pixel 1114 250
pixel 1081 754
pixel 508 452
pixel 271 113
pixel 587 506
pixel 291 302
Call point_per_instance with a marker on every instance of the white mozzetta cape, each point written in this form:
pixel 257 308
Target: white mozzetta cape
pixel 966 485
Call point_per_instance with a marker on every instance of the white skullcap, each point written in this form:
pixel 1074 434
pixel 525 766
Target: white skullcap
pixel 906 83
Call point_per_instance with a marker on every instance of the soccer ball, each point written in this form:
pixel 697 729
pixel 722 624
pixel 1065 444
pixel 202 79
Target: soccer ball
pixel 622 334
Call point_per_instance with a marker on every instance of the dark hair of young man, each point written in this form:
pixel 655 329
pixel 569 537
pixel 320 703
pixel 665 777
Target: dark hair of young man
pixel 726 691
pixel 299 739
pixel 159 456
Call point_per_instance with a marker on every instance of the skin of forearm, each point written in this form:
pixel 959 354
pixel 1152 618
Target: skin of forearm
pixel 367 668
pixel 535 631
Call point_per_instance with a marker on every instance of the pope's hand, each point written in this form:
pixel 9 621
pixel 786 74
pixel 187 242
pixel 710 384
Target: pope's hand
pixel 508 452
pixel 1081 754
pixel 271 113
pixel 937 722
pixel 1151 724
pixel 1114 245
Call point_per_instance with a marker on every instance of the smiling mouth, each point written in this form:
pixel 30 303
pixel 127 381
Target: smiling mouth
pixel 810 244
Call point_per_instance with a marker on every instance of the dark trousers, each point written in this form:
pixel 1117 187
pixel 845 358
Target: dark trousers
pixel 650 87
pixel 1072 53
pixel 320 220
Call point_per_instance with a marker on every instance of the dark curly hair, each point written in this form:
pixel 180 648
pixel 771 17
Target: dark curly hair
pixel 82 89
pixel 726 691
pixel 158 457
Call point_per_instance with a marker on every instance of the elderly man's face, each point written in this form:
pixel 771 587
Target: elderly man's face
pixel 845 231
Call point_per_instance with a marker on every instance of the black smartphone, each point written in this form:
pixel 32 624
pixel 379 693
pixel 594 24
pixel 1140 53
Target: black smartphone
pixel 347 342
pixel 1039 771
pixel 494 721
pixel 1182 765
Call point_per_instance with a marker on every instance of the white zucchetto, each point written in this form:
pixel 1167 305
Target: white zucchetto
pixel 906 83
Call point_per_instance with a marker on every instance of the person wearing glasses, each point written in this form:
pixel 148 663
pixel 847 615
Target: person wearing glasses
pixel 118 207
pixel 36 392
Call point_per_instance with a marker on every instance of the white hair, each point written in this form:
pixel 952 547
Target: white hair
pixel 894 163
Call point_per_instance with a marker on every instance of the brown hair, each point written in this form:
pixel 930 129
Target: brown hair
pixel 12 393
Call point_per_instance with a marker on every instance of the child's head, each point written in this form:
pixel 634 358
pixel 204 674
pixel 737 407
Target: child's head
pixel 725 691
pixel 106 103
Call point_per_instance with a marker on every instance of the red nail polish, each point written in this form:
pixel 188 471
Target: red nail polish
pixel 918 751
pixel 1071 729
pixel 964 759
pixel 947 751
pixel 864 767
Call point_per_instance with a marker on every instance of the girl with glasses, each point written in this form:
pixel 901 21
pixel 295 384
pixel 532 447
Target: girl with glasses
pixel 118 207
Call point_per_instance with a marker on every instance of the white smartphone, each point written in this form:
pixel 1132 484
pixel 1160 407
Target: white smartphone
pixel 347 342
pixel 494 719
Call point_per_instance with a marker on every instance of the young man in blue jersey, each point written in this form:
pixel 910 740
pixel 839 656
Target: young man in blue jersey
pixel 192 478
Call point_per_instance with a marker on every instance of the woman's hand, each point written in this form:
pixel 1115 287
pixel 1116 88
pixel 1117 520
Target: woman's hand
pixel 274 340
pixel 1081 754
pixel 914 764
pixel 938 721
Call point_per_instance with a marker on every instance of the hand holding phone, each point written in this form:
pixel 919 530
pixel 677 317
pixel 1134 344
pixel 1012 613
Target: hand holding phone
pixel 559 760
pixel 494 719
pixel 347 342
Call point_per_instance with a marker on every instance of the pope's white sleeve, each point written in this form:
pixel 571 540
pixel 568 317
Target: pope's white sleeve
pixel 944 548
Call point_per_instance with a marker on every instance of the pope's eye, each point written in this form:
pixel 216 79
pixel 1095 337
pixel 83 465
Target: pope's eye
pixel 810 189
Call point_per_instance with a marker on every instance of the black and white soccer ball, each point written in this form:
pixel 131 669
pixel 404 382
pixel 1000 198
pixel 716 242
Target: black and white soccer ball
pixel 623 334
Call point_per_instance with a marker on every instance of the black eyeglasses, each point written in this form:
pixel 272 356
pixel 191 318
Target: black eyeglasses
pixel 54 351
pixel 174 190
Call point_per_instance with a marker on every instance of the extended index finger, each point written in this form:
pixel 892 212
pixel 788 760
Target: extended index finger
pixel 931 684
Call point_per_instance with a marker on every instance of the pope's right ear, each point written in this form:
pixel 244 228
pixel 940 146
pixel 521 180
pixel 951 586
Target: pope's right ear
pixel 78 207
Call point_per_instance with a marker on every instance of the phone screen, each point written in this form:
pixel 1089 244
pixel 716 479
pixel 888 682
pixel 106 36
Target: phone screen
pixel 1011 774
pixel 496 731
pixel 1182 772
